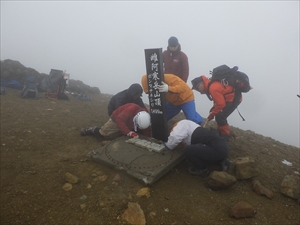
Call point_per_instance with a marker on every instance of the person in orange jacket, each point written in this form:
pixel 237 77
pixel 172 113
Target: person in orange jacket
pixel 225 101
pixel 179 96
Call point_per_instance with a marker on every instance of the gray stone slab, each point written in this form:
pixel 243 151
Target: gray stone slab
pixel 138 161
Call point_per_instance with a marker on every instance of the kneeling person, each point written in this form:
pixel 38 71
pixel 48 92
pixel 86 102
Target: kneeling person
pixel 201 146
pixel 129 119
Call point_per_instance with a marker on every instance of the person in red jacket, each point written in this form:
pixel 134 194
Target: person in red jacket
pixel 225 102
pixel 129 119
pixel 176 61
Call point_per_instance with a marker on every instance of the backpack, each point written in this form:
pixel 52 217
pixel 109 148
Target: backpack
pixel 56 85
pixel 30 87
pixel 230 76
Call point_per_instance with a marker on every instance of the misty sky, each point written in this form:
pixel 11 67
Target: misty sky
pixel 102 44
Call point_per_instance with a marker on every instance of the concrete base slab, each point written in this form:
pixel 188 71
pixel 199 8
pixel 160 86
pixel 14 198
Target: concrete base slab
pixel 144 163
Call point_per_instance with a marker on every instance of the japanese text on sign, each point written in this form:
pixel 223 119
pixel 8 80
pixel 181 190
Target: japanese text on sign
pixel 154 81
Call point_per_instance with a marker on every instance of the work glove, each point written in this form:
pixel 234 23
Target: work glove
pixel 163 87
pixel 166 145
pixel 210 117
pixel 132 134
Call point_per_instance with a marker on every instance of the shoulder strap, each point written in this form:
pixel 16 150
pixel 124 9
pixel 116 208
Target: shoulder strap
pixel 207 92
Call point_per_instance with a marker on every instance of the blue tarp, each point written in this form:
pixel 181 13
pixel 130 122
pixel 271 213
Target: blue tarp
pixel 11 84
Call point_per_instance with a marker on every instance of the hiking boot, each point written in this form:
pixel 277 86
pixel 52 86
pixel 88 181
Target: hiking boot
pixel 225 164
pixel 86 131
pixel 197 172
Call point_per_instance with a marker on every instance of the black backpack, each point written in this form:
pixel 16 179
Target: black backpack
pixel 56 84
pixel 30 87
pixel 230 76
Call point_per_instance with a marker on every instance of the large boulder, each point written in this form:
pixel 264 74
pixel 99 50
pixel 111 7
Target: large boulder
pixel 14 70
pixel 290 186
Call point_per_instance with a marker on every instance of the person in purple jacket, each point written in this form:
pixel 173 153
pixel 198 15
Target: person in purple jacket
pixel 176 61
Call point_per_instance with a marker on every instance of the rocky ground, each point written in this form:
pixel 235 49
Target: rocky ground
pixel 40 143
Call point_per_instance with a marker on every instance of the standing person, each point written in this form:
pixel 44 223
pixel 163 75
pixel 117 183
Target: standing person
pixel 129 119
pixel 225 101
pixel 131 95
pixel 201 146
pixel 179 96
pixel 176 61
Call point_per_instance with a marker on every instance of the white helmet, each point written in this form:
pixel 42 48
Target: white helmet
pixel 142 120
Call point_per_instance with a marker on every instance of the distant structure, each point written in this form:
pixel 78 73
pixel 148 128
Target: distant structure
pixel 66 77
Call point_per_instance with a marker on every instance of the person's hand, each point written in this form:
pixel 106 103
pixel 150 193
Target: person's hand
pixel 163 87
pixel 210 117
pixel 132 134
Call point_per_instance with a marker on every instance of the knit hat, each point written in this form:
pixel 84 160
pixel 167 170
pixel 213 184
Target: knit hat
pixel 173 41
pixel 196 81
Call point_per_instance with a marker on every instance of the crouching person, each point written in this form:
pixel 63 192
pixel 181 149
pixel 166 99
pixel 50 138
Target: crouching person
pixel 201 146
pixel 129 119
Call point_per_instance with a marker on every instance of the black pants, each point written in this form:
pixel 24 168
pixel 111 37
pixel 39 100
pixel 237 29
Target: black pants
pixel 221 117
pixel 206 147
pixel 199 155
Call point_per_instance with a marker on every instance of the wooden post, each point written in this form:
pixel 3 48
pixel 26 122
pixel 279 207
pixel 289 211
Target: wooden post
pixel 157 100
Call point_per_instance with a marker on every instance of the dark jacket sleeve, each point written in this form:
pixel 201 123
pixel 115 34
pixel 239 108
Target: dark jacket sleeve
pixel 140 102
pixel 111 105
pixel 185 67
pixel 116 101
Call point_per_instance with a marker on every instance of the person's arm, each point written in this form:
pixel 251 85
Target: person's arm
pixel 176 84
pixel 185 67
pixel 121 123
pixel 178 134
pixel 122 118
pixel 218 99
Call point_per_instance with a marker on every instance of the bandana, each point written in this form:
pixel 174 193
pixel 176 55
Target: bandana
pixel 135 126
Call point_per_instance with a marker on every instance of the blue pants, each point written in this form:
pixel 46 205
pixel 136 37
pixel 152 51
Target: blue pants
pixel 188 108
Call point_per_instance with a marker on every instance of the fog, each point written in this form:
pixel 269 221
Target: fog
pixel 102 44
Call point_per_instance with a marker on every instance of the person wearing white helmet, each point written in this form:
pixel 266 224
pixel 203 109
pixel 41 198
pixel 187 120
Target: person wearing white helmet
pixel 129 119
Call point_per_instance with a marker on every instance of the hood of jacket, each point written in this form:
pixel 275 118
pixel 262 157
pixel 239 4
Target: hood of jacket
pixel 135 90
